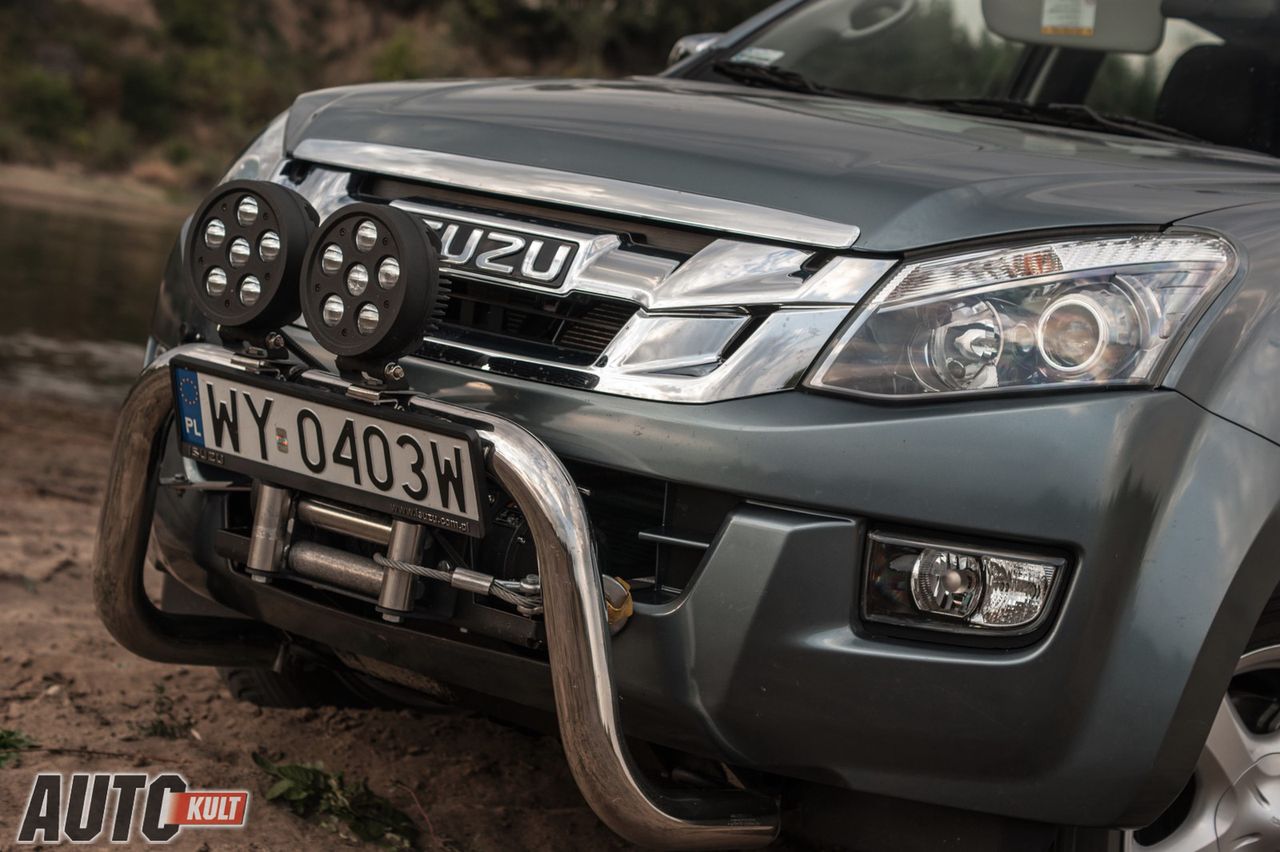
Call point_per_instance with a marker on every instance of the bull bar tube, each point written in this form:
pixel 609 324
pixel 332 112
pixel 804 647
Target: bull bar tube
pixel 577 627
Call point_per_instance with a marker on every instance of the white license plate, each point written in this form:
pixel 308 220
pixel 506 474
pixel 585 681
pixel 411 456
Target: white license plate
pixel 406 464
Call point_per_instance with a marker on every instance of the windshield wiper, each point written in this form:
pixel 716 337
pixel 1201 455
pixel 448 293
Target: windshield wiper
pixel 770 76
pixel 1069 115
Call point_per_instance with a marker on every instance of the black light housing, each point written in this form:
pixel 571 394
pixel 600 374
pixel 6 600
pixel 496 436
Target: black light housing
pixel 244 253
pixel 371 283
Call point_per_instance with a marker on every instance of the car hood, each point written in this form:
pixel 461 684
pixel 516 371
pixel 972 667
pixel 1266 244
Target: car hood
pixel 908 177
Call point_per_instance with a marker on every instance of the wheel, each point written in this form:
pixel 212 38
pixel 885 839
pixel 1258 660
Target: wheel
pixel 1233 799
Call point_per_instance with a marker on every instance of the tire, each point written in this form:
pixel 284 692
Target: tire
pixel 298 686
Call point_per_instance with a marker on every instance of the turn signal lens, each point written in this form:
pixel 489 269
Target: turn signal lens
pixel 937 586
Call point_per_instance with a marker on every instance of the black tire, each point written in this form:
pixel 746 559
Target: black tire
pixel 297 687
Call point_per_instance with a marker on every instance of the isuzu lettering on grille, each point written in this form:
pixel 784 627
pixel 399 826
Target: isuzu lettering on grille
pixel 526 258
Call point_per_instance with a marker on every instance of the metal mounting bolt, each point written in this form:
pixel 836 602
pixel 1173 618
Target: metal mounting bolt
pixel 275 340
pixel 393 372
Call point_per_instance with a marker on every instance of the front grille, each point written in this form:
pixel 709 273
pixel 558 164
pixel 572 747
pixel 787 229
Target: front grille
pixel 573 329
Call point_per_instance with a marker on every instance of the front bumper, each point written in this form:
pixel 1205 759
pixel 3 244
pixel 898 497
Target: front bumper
pixel 577 629
pixel 1167 512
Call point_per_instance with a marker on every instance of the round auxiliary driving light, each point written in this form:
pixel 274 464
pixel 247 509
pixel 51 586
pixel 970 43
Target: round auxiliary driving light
pixel 244 253
pixel 347 316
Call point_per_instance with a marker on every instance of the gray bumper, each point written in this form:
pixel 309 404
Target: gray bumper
pixel 1167 509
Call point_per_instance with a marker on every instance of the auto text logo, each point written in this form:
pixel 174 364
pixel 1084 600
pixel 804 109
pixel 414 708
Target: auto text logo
pixel 85 807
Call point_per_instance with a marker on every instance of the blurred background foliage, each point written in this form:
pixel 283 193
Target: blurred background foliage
pixel 168 90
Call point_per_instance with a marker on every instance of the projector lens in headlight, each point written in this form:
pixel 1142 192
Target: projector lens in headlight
pixel 956 588
pixel 1085 312
pixel 244 253
pixel 350 318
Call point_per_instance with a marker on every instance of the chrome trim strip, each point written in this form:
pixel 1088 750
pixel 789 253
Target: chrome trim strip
pixel 605 195
pixel 726 273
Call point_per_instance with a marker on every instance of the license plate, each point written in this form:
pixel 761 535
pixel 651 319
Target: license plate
pixel 408 465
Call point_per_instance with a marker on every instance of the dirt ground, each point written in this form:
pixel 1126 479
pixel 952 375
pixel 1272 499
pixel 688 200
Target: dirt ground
pixel 91 706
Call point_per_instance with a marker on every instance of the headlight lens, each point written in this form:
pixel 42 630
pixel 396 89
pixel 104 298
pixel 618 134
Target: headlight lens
pixel 1091 312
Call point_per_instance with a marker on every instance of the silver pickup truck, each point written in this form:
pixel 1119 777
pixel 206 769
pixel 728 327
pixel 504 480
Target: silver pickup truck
pixel 866 427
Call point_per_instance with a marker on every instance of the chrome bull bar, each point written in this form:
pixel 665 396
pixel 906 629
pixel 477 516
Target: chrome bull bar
pixel 578 634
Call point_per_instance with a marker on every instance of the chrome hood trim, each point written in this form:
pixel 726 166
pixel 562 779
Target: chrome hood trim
pixel 604 195
pixel 677 346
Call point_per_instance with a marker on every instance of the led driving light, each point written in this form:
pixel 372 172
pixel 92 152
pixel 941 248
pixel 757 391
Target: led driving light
pixel 215 283
pixel 956 588
pixel 388 273
pixel 239 252
pixel 269 246
pixel 244 254
pixel 250 290
pixel 367 320
pixel 1084 312
pixel 347 316
pixel 357 280
pixel 331 262
pixel 214 233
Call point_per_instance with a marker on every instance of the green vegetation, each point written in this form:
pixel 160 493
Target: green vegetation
pixel 166 724
pixel 12 743
pixel 176 93
pixel 326 798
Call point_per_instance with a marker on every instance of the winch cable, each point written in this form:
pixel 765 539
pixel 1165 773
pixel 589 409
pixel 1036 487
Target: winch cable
pixel 525 596
pixel 473 581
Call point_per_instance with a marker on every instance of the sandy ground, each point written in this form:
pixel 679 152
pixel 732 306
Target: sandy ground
pixel 68 686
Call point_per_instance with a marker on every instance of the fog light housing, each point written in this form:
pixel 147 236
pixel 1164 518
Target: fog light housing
pixel 956 588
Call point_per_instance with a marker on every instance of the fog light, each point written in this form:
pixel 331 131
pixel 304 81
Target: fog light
pixel 946 582
pixel 956 588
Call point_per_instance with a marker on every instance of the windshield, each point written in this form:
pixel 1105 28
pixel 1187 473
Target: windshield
pixel 1215 80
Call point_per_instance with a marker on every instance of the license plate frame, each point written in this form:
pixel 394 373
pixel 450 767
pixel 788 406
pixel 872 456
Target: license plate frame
pixel 474 483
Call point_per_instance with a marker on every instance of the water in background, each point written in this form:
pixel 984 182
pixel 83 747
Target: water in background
pixel 76 295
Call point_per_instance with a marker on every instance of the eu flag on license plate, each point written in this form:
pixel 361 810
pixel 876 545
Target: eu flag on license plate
pixel 192 424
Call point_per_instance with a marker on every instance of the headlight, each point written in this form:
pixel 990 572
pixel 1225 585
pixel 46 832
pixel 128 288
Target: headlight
pixel 1084 312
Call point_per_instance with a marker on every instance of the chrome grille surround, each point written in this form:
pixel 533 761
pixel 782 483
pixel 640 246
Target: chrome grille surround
pixel 739 318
